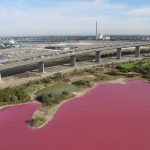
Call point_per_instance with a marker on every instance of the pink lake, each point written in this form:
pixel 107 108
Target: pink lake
pixel 108 117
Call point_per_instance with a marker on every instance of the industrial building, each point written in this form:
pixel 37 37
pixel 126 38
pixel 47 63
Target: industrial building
pixel 101 36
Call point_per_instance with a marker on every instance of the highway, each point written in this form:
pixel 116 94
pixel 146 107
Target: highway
pixel 33 56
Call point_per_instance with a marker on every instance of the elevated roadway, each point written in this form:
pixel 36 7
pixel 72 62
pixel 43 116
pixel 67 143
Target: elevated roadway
pixel 97 48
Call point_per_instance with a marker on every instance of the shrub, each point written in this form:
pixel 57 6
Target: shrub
pixel 101 76
pixel 37 121
pixel 113 73
pixel 77 72
pixel 50 99
pixel 65 93
pixel 122 69
pixel 91 71
pixel 61 77
pixel 14 95
pixel 47 80
pixel 82 83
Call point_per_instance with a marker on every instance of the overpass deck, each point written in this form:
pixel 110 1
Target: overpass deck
pixel 62 54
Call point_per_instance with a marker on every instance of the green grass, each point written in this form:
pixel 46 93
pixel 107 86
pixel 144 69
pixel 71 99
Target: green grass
pixel 147 60
pixel 30 89
pixel 133 64
pixel 128 65
pixel 104 77
pixel 57 89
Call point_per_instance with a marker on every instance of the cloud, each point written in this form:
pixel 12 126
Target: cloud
pixel 52 20
pixel 75 17
pixel 140 12
pixel 97 4
pixel 128 26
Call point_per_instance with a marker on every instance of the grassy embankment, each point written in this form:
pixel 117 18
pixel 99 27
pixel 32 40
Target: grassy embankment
pixel 53 90
pixel 133 69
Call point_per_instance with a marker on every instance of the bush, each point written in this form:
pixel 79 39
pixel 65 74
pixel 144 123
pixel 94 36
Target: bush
pixel 113 73
pixel 51 99
pixel 14 95
pixel 47 80
pixel 77 72
pixel 122 69
pixel 131 74
pixel 91 71
pixel 101 76
pixel 57 76
pixel 82 83
pixel 37 121
pixel 65 93
pixel 61 77
pixel 30 83
pixel 147 76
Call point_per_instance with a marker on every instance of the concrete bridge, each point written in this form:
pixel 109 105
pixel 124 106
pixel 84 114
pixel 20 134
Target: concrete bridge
pixel 78 51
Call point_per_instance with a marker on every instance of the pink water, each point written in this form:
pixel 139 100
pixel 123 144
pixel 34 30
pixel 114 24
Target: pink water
pixel 109 117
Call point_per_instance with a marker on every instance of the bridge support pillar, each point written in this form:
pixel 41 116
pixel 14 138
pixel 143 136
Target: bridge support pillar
pixel 73 61
pixel 98 56
pixel 137 51
pixel 0 77
pixel 118 53
pixel 41 67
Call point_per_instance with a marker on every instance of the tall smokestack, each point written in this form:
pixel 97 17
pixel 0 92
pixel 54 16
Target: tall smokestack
pixel 96 30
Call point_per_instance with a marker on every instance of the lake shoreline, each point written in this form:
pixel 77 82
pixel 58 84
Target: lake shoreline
pixel 110 112
pixel 53 110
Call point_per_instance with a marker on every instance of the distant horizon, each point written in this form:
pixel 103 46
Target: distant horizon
pixel 12 36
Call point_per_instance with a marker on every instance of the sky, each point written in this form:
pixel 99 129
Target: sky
pixel 74 17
